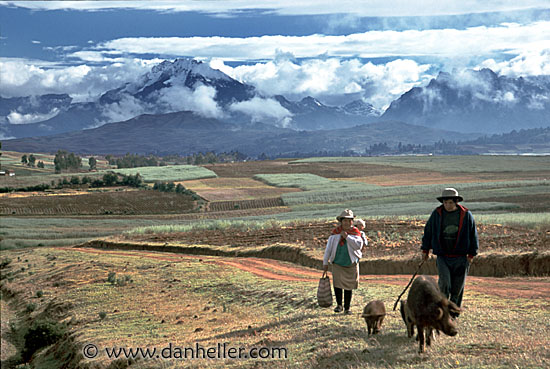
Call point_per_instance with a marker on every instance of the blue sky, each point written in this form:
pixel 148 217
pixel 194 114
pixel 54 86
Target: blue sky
pixel 336 51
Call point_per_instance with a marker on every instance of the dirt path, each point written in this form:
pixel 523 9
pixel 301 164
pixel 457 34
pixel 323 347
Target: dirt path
pixel 513 287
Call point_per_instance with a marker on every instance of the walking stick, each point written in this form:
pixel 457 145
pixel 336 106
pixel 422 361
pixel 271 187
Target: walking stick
pixel 414 275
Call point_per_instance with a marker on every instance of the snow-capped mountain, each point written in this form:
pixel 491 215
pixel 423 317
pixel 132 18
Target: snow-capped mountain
pixel 361 108
pixel 476 101
pixel 187 85
pixel 311 114
pixel 182 73
pixel 468 101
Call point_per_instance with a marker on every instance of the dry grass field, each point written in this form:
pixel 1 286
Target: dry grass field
pixel 241 268
pixel 231 188
pixel 149 300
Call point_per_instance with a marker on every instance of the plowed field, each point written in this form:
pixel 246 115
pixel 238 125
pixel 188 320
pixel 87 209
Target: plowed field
pixel 386 237
pixel 379 174
pixel 97 203
pixel 224 189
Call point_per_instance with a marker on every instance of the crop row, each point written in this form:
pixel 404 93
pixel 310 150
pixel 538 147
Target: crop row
pixel 448 164
pixel 244 204
pixel 333 193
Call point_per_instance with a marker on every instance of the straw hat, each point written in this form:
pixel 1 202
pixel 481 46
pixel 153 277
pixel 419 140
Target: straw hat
pixel 449 193
pixel 345 214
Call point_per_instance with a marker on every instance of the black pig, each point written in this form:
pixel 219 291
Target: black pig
pixel 407 318
pixel 430 310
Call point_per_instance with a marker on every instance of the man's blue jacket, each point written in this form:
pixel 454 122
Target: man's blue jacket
pixel 466 242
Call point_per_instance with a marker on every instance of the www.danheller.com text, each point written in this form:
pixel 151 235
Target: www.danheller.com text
pixel 221 351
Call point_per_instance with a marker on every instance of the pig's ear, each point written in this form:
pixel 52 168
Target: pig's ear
pixel 438 313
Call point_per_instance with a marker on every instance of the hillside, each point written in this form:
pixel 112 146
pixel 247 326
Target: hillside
pixel 186 133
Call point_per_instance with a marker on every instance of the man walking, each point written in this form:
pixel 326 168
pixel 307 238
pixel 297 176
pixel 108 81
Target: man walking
pixel 451 233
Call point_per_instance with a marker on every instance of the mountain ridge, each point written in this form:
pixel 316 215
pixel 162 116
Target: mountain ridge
pixel 476 101
pixel 186 133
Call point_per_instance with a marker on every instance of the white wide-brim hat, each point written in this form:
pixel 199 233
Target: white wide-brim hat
pixel 449 193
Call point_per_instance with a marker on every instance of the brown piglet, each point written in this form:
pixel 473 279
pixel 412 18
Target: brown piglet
pixel 374 313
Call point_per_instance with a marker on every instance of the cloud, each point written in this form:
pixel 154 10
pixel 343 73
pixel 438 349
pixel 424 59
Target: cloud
pixel 468 43
pixel 538 102
pixel 228 8
pixel 3 136
pixel 527 63
pixel 97 56
pixel 15 117
pixel 261 109
pixel 127 108
pixel 483 87
pixel 21 77
pixel 377 84
pixel 200 100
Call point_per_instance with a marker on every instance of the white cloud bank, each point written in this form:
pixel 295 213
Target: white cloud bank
pixel 262 110
pixel 200 100
pixel 15 117
pixel 442 43
pixel 536 62
pixel 22 77
pixel 377 84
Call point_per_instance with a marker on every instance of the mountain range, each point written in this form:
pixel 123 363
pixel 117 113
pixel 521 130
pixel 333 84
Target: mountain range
pixel 186 133
pixel 476 101
pixel 185 106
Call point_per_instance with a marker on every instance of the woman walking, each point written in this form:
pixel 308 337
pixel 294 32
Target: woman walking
pixel 343 251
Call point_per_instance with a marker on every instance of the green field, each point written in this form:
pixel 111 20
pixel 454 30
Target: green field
pixel 169 173
pixel 449 164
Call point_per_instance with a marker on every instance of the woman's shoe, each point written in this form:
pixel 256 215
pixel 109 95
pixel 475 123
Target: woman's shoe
pixel 347 312
pixel 338 309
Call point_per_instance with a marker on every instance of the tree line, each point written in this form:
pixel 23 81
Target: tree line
pixel 135 161
pixel 172 187
pixel 30 161
pixel 107 180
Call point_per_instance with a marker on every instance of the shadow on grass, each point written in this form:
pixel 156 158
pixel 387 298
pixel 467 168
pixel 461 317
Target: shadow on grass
pixel 255 330
pixel 382 350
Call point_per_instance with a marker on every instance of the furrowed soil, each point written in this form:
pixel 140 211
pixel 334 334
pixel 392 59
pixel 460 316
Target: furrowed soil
pixel 385 237
pixel 96 203
pixel 385 175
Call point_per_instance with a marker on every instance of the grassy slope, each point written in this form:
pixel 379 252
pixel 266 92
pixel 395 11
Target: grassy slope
pixel 184 301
